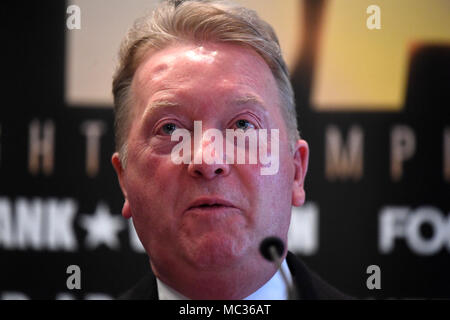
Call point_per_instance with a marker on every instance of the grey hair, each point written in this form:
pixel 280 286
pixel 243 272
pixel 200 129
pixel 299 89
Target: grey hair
pixel 197 20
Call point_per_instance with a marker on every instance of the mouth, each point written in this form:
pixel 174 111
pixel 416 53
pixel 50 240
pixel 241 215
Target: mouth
pixel 210 204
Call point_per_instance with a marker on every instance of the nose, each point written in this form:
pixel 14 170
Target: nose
pixel 207 167
pixel 208 171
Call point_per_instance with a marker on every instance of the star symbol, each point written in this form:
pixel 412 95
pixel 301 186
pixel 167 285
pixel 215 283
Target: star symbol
pixel 102 227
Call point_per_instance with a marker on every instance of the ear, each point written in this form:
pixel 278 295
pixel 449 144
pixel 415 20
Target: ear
pixel 301 157
pixel 115 160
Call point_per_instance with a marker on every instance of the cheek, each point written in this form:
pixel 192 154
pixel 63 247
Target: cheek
pixel 152 169
pixel 275 191
pixel 152 193
pixel 266 193
pixel 272 196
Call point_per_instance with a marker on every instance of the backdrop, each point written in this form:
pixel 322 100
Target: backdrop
pixel 372 83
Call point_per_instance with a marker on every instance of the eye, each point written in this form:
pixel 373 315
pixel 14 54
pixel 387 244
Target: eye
pixel 244 124
pixel 168 128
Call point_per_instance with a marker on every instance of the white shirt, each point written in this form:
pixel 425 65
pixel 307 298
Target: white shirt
pixel 274 289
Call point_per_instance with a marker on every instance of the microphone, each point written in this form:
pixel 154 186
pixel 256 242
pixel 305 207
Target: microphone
pixel 272 248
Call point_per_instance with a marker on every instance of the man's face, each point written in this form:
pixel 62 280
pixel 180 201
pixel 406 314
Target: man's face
pixel 208 216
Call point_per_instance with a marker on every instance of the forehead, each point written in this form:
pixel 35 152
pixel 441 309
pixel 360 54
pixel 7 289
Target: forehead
pixel 208 67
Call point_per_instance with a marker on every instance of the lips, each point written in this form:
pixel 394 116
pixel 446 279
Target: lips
pixel 209 203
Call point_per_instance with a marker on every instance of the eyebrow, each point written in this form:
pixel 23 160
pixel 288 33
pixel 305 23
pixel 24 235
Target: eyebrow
pixel 246 99
pixel 161 104
pixel 250 98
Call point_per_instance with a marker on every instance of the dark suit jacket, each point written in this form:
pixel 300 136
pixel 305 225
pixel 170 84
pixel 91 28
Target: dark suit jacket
pixel 309 284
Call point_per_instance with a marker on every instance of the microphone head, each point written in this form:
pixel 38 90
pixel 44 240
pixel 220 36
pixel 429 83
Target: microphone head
pixel 267 243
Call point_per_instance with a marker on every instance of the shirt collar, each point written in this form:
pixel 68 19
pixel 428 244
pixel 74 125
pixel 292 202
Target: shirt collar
pixel 274 289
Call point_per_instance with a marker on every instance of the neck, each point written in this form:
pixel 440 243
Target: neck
pixel 233 282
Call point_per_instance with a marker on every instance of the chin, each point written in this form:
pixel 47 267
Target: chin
pixel 216 250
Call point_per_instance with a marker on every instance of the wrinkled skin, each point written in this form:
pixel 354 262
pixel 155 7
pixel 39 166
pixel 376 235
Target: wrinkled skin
pixel 207 253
